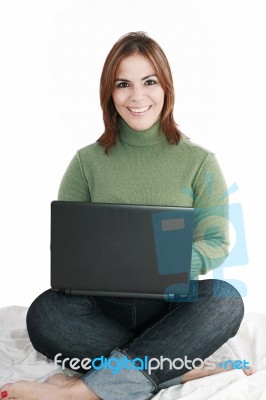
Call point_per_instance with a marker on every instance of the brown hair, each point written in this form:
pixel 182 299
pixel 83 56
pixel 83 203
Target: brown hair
pixel 141 43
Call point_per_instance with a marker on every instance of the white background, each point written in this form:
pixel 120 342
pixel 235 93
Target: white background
pixel 51 56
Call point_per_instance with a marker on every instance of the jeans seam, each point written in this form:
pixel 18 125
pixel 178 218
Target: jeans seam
pixel 151 327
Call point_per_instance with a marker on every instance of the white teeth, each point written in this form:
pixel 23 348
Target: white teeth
pixel 139 110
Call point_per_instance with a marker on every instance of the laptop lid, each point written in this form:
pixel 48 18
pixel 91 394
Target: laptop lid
pixel 121 250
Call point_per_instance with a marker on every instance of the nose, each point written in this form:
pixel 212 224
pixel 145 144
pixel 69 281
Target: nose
pixel 137 93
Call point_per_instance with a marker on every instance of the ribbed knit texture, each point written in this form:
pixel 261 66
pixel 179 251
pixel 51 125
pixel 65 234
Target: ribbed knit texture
pixel 143 168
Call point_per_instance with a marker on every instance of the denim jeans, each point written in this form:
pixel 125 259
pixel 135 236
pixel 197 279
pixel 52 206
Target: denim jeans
pixel 90 327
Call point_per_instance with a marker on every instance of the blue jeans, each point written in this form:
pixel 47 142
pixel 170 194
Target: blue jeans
pixel 89 327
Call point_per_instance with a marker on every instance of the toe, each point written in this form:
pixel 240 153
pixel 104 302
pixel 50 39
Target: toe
pixel 7 391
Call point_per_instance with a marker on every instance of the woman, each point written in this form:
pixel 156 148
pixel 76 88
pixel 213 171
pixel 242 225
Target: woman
pixel 142 158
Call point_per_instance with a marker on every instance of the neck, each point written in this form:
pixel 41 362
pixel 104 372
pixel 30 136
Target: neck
pixel 147 137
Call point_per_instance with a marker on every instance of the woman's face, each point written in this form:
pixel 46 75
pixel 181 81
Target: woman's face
pixel 137 95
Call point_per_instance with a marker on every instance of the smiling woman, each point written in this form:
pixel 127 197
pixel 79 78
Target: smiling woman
pixel 135 62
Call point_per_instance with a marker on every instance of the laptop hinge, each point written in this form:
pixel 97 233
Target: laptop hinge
pixel 171 296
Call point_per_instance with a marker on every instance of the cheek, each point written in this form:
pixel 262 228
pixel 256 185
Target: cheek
pixel 118 98
pixel 160 98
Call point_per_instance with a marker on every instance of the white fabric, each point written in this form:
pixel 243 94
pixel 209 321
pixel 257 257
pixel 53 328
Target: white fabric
pixel 18 360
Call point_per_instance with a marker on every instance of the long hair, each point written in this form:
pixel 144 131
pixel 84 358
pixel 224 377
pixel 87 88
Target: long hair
pixel 136 43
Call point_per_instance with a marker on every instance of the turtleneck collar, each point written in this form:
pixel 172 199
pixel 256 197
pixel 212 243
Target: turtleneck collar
pixel 148 137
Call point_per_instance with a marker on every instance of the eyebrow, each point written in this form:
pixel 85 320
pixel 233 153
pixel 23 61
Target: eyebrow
pixel 143 79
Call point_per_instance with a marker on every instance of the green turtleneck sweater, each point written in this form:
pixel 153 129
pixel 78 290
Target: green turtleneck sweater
pixel 143 168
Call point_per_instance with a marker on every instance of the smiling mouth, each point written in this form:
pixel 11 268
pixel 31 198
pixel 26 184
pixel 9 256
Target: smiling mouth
pixel 139 111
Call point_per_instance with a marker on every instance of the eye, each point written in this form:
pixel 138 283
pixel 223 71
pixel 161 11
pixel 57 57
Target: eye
pixel 122 85
pixel 150 82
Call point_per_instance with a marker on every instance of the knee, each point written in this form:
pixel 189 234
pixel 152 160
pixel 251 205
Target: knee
pixel 39 308
pixel 54 314
pixel 231 302
pixel 38 316
pixel 224 300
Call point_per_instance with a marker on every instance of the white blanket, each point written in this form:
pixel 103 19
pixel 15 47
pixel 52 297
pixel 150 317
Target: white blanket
pixel 18 360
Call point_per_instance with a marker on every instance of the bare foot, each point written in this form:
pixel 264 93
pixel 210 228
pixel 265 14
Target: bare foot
pixel 201 372
pixel 72 389
pixel 60 379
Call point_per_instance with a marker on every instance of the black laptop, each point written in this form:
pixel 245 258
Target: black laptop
pixel 121 250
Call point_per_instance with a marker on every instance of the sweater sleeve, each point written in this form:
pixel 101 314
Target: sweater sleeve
pixel 211 232
pixel 74 186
